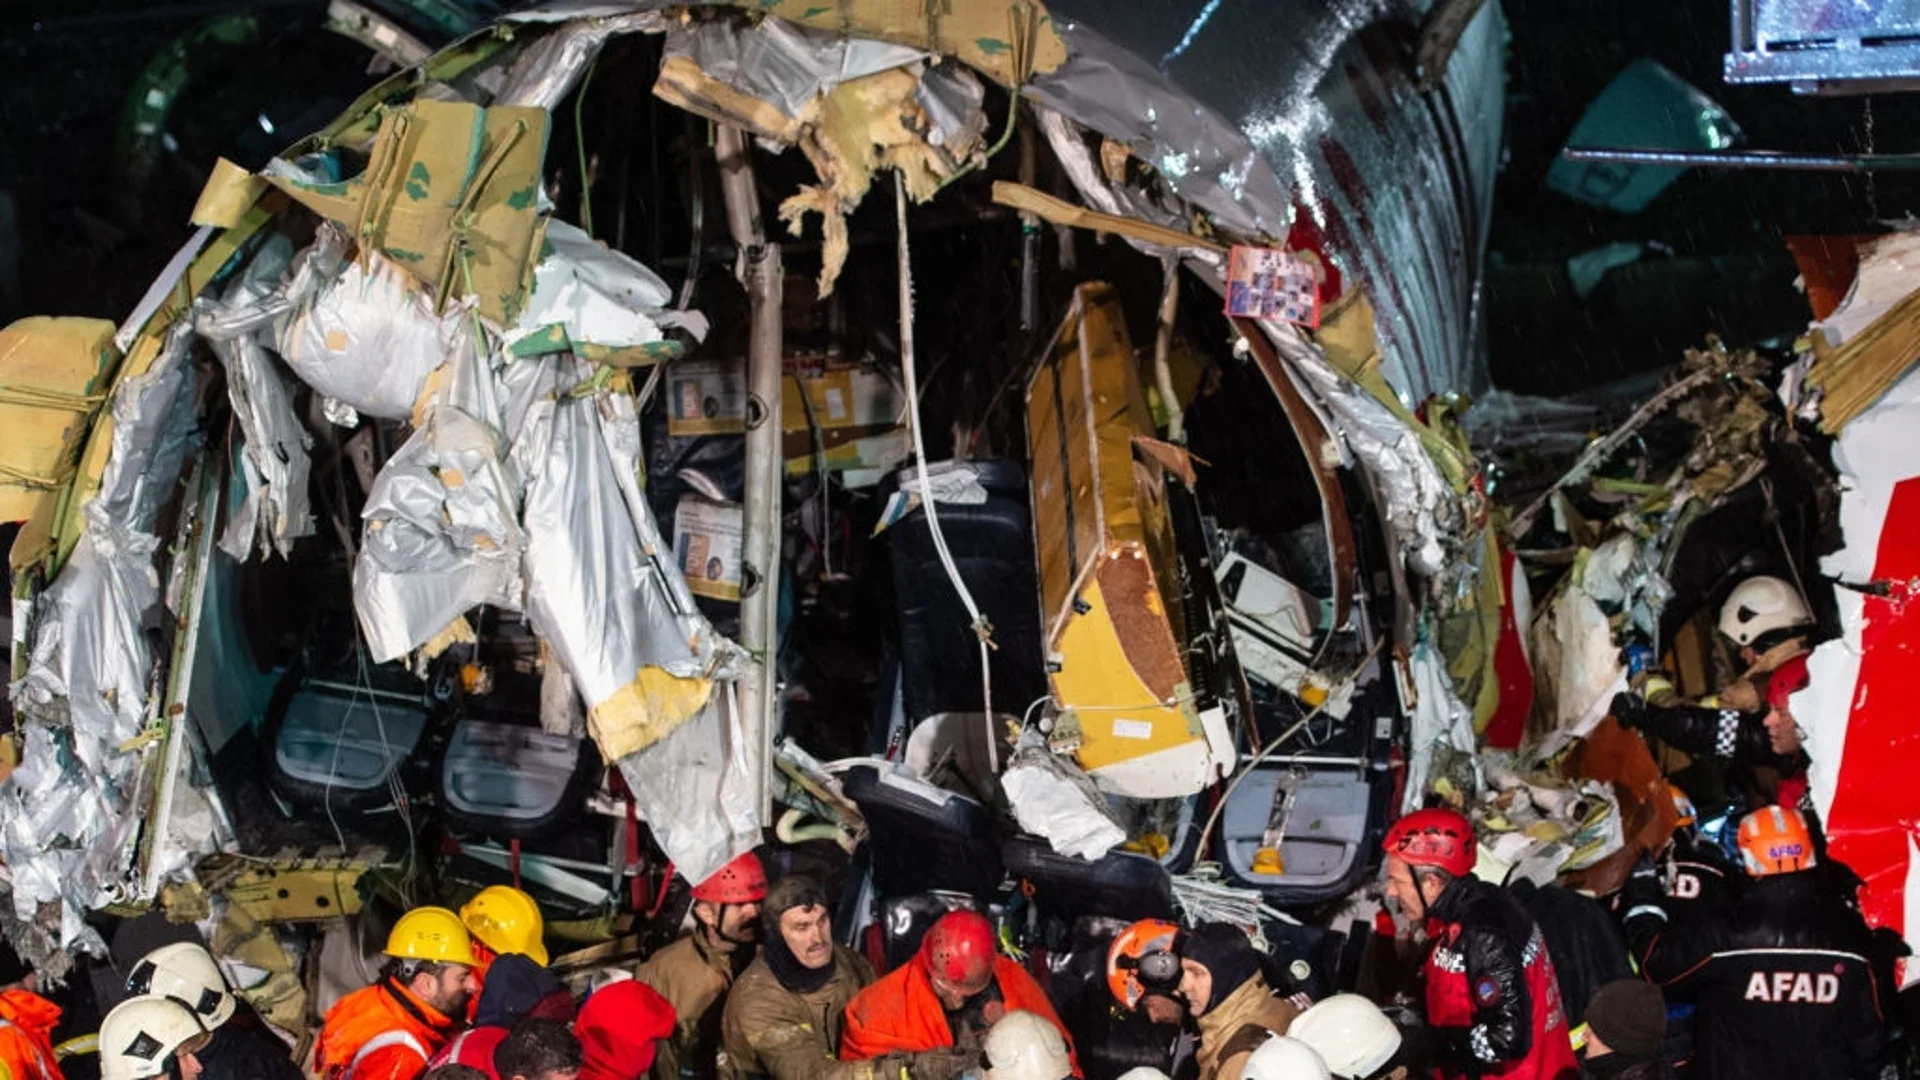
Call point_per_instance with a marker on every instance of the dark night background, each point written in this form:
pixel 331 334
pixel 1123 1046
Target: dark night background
pixel 90 209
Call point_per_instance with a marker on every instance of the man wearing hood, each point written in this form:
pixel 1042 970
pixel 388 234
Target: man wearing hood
pixel 1210 976
pixel 956 987
pixel 784 1016
pixel 695 972
pixel 623 1028
pixel 26 1021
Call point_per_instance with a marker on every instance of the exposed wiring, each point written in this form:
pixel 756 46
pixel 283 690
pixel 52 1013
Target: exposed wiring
pixel 1024 24
pixel 580 144
pixel 1206 833
pixel 982 629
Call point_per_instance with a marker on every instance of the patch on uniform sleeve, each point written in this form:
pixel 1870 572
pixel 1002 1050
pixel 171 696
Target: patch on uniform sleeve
pixel 778 1035
pixel 1485 991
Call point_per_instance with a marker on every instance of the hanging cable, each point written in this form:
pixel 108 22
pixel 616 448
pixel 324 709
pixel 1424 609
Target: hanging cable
pixel 982 629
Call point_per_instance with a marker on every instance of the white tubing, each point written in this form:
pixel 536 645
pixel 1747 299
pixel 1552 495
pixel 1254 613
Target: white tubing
pixel 981 628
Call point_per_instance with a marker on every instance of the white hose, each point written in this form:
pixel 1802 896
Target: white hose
pixel 981 628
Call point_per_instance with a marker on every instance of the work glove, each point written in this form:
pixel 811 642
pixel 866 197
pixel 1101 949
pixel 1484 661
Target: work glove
pixel 1632 711
pixel 945 1064
pixel 1644 895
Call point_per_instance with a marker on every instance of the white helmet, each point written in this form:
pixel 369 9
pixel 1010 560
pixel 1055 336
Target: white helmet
pixel 1760 605
pixel 187 973
pixel 1143 1072
pixel 1351 1033
pixel 142 1035
pixel 1282 1058
pixel 1025 1046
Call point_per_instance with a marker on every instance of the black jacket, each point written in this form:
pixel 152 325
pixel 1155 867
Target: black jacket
pixel 242 1049
pixel 1584 941
pixel 1492 1002
pixel 1736 738
pixel 1783 984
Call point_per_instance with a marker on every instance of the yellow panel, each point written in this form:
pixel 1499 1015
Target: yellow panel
pixel 53 377
pixel 983 34
pixel 1118 715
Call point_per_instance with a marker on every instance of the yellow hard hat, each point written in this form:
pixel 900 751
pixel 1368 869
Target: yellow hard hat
pixel 507 920
pixel 433 934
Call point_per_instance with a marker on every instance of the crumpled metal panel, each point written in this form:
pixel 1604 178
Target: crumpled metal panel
pixel 360 331
pixel 1397 185
pixel 68 814
pixel 276 464
pixel 602 587
pixel 780 62
pixel 695 791
pixel 442 533
pixel 548 70
pixel 1423 515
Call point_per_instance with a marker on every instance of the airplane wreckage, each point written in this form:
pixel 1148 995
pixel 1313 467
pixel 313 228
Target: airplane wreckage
pixel 1078 507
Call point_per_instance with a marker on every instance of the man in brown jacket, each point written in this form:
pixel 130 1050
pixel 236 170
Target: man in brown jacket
pixel 695 972
pixel 1216 985
pixel 785 1013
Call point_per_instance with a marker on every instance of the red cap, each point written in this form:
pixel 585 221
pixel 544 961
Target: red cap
pixel 959 948
pixel 742 881
pixel 1787 679
pixel 1440 838
pixel 619 1028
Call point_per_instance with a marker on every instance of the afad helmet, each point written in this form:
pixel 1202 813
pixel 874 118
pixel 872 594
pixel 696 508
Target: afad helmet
pixel 1144 959
pixel 959 948
pixel 1438 838
pixel 1775 840
pixel 742 881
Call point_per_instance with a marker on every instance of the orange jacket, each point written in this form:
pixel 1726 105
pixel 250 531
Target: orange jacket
pixel 901 1013
pixel 410 1033
pixel 26 1036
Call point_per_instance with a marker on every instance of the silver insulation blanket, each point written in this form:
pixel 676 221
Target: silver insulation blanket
pixel 276 464
pixel 780 62
pixel 69 814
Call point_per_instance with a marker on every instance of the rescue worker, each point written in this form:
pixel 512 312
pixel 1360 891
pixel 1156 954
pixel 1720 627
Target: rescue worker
pixel 1027 1046
pixel 1355 1039
pixel 502 920
pixel 1696 883
pixel 784 1015
pixel 390 1030
pixel 241 1047
pixel 622 1029
pixel 1783 984
pixel 1626 1029
pixel 955 988
pixel 538 1049
pixel 27 1021
pixel 695 972
pixel 1283 1058
pixel 1209 976
pixel 516 989
pixel 1768 622
pixel 151 1036
pixel 1493 1000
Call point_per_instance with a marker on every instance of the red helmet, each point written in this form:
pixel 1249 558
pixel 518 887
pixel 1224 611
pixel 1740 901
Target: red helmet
pixel 959 948
pixel 1786 680
pixel 1440 838
pixel 742 881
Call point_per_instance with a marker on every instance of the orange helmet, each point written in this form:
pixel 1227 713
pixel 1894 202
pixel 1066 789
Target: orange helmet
pixel 1144 958
pixel 742 881
pixel 1775 840
pixel 1682 805
pixel 1436 837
